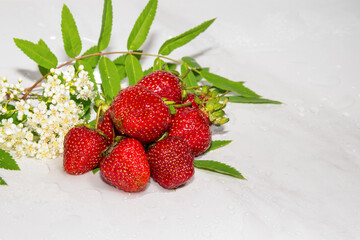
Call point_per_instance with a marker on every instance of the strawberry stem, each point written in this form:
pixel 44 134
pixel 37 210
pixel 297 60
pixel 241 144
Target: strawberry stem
pixel 186 73
pixel 97 116
pixel 182 105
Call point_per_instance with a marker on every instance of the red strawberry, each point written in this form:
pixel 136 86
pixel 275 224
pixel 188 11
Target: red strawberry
pixel 106 126
pixel 171 162
pixel 140 113
pixel 82 149
pixel 163 83
pixel 189 124
pixel 126 166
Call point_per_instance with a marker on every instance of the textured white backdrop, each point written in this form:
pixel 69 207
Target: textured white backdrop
pixel 301 158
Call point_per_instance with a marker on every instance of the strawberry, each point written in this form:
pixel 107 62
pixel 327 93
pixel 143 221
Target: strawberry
pixel 189 124
pixel 171 162
pixel 106 126
pixel 125 166
pixel 163 83
pixel 82 149
pixel 140 113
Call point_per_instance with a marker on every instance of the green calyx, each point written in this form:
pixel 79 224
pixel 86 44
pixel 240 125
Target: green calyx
pixel 209 100
pixel 109 149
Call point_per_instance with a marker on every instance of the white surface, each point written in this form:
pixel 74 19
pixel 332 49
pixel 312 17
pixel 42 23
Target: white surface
pixel 301 158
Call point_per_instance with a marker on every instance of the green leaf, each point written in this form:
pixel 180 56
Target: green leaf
pixel 184 38
pixel 121 71
pixel 40 53
pixel 159 64
pixel 7 161
pixel 148 71
pixel 142 26
pixel 70 34
pixel 110 78
pixel 218 144
pixel 2 182
pixel 133 69
pixel 171 66
pixel 87 113
pixel 120 60
pixel 218 167
pixel 8 115
pixel 95 170
pixel 198 76
pixel 190 79
pixel 172 109
pixel 43 70
pixel 106 26
pixel 92 61
pixel 226 84
pixel 191 62
pixel 239 99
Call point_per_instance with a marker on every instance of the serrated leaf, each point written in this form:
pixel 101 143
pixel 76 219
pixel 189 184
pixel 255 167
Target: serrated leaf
pixel 133 69
pixel 70 34
pixel 218 167
pixel 92 61
pixel 7 161
pixel 218 144
pixel 2 181
pixel 226 84
pixel 106 26
pixel 148 71
pixel 191 62
pixel 239 99
pixel 142 26
pixel 182 39
pixel 110 78
pixel 86 113
pixel 92 123
pixel 190 79
pixel 39 53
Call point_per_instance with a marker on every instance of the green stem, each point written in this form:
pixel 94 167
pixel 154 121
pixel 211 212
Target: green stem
pixel 108 53
pixel 182 105
pixel 97 117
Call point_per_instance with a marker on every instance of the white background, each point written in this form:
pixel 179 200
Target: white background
pixel 301 158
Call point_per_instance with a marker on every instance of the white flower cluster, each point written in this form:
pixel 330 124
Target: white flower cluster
pixel 42 121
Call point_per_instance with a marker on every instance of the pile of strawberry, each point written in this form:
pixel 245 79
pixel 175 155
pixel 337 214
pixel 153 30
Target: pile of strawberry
pixel 152 129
